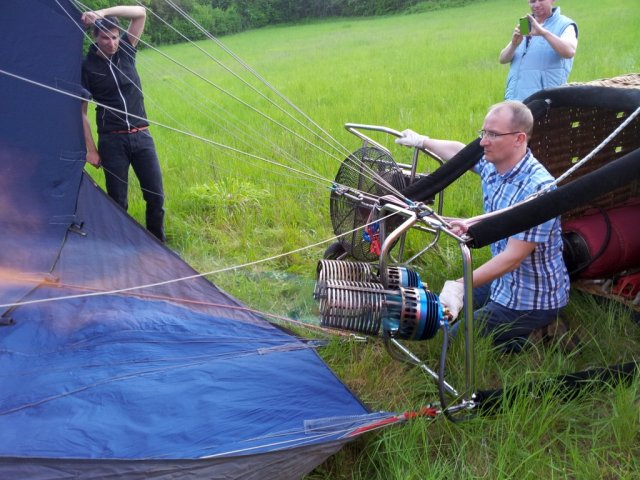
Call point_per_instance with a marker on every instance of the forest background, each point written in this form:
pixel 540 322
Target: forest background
pixel 223 17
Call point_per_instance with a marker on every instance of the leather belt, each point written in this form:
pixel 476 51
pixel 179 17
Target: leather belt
pixel 133 130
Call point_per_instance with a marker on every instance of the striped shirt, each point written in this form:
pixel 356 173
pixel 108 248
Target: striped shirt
pixel 541 282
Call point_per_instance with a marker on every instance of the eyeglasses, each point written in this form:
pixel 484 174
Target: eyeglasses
pixel 493 135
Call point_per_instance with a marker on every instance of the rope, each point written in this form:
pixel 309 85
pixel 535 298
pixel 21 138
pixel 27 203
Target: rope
pixel 318 178
pixel 372 174
pixel 198 137
pixel 181 279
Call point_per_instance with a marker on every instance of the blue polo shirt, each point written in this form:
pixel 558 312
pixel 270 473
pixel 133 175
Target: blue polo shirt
pixel 541 282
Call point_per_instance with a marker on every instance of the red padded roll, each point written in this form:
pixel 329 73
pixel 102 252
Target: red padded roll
pixel 612 239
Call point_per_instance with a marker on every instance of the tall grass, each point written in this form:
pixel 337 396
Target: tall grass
pixel 435 72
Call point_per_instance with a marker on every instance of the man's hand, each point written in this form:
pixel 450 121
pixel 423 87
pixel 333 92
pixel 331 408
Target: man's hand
pixel 89 18
pixel 452 297
pixel 410 138
pixel 459 226
pixel 93 158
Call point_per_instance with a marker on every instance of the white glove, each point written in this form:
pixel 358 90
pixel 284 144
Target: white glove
pixel 452 297
pixel 410 138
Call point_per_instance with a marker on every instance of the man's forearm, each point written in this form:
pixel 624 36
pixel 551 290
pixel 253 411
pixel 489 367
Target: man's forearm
pixel 507 261
pixel 130 12
pixel 445 149
pixel 93 157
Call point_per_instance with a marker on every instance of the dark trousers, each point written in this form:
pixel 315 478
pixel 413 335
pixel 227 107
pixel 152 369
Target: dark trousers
pixel 509 328
pixel 118 151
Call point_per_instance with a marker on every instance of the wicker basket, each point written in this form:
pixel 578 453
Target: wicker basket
pixel 568 133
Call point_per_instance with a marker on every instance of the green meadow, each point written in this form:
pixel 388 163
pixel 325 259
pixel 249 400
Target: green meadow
pixel 249 150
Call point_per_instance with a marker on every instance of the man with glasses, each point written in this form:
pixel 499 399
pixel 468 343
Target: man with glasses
pixel 109 74
pixel 542 57
pixel 525 283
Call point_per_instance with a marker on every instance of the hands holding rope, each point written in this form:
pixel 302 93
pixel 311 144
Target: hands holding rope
pixel 89 18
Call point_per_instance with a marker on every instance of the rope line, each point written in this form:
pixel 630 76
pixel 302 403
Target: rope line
pixel 373 176
pixel 318 178
pixel 594 152
pixel 188 277
pixel 183 129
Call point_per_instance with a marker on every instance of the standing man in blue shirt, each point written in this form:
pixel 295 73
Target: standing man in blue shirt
pixel 109 74
pixel 542 58
pixel 525 283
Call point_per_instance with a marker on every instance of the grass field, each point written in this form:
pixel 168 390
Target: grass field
pixel 258 188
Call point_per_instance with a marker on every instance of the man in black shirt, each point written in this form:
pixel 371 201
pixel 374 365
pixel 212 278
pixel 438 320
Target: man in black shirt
pixel 109 74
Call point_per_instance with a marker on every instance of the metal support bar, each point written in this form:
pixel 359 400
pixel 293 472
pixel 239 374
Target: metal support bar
pixel 436 223
pixel 390 240
pixel 416 361
pixel 354 128
pixel 467 272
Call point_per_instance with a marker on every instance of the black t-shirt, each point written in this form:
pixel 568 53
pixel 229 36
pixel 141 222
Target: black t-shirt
pixel 116 84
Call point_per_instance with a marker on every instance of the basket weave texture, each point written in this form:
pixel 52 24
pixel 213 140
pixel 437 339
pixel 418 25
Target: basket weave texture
pixel 568 134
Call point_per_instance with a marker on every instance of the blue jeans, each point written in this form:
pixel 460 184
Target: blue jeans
pixel 509 328
pixel 118 151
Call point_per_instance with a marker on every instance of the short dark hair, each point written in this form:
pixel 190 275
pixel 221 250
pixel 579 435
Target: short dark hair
pixel 105 24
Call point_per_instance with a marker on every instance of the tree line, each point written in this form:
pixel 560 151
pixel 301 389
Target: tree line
pixel 165 24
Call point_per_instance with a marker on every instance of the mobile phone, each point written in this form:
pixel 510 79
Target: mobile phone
pixel 525 26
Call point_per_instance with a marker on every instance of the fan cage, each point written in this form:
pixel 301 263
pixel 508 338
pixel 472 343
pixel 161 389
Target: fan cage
pixel 348 215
